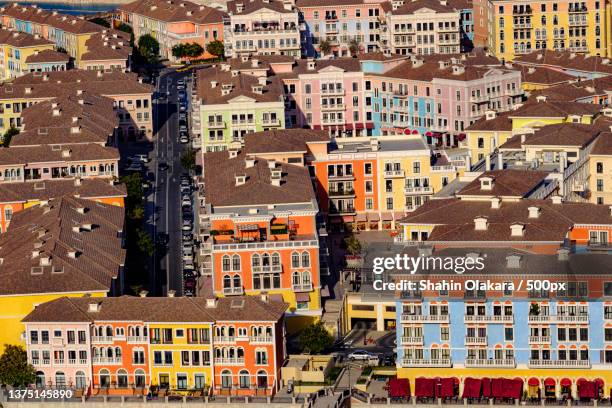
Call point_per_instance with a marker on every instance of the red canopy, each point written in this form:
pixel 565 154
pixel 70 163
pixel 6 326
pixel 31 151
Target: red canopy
pixel 424 387
pixel 497 387
pixel 599 383
pixel 447 387
pixel 550 382
pixel 461 136
pixel 399 387
pixel 407 131
pixel 565 382
pixel 428 133
pixel 471 388
pixel 415 132
pixel 587 389
pixel 534 382
pixel 486 387
pixel 513 388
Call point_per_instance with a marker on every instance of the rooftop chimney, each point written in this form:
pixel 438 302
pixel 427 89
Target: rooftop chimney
pixel 94 307
pixel 534 212
pixel 557 199
pixel 171 293
pixel 250 162
pixel 486 183
pixel 496 203
pixel 481 223
pixel 143 293
pixel 240 179
pixel 211 302
pixel 517 230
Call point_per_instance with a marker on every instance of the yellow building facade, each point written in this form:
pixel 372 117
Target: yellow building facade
pixel 522 27
pixel 13 59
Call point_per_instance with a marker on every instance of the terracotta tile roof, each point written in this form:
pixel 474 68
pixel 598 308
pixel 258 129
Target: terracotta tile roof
pixel 346 64
pixel 454 219
pixel 64 22
pixel 220 173
pixel 251 6
pixel 508 182
pixel 108 45
pixel 476 57
pixel 501 122
pixel 554 109
pixel 544 76
pixel 563 134
pixel 19 39
pixel 88 188
pixel 565 92
pixel 567 60
pixel 158 309
pixel 174 11
pixel 259 62
pixel 28 155
pixel 410 7
pixel 239 85
pixel 427 71
pixel 327 3
pixel 379 56
pixel 603 145
pixel 285 140
pixel 84 260
pixel 47 56
pixel 460 4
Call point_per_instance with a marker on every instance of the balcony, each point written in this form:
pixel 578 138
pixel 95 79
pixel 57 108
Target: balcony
pixel 334 121
pixel 101 339
pixel 539 340
pixel 418 190
pixel 261 339
pixel 225 339
pixel 558 319
pixel 394 173
pixel 411 341
pixel 577 22
pixel 216 125
pixel 58 361
pixel 559 363
pixel 339 106
pixel 270 122
pixel 106 360
pixel 522 11
pixel 233 291
pixel 229 361
pixel 298 241
pixel 267 268
pixel 137 339
pixel 522 25
pixel 488 319
pixel 577 9
pixel 439 362
pixel 343 210
pixel 262 32
pixel 304 287
pixel 413 318
pixel 343 176
pixel 494 362
pixel 469 341
pixel 479 98
pixel 332 91
pixel 331 17
pixel 346 192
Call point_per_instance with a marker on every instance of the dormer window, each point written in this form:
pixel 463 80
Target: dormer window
pixel 486 183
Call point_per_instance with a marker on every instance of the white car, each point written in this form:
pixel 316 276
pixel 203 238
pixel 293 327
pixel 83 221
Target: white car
pixel 184 139
pixel 186 201
pixel 361 355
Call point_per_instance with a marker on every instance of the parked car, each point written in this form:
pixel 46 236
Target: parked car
pixel 162 166
pixel 142 157
pixel 186 226
pixel 182 116
pixel 134 167
pixel 182 108
pixel 187 236
pixel 361 355
pixel 184 139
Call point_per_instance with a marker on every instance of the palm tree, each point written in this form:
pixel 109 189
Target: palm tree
pixel 325 46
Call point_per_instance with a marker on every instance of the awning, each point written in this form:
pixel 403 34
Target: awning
pixel 361 217
pixel 369 125
pixel 302 297
pixel 424 387
pixel 248 227
pixel 486 387
pixel 587 389
pixel 461 136
pixel 415 132
pixel 387 216
pixel 471 388
pixel 399 387
pixel 497 387
pixel 373 217
pixel 437 135
pixel 565 382
pixel 550 382
pixel 428 133
pixel 447 388
pixel 534 382
pixel 513 388
pixel 398 215
pixel 407 131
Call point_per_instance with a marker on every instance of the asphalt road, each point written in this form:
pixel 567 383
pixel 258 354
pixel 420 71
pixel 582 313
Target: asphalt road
pixel 165 216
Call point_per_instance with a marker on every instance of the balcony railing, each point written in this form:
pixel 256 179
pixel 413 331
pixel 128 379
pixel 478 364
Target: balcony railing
pixel 137 339
pixel 225 339
pixel 333 91
pixel 558 319
pixel 260 339
pixel 539 339
pixel 495 362
pixel 229 361
pixel 339 106
pixel 341 192
pixel 106 360
pixel 101 339
pixel 488 318
pixel 267 245
pixel 440 362
pixel 394 173
pixel 304 287
pixel 216 125
pixel 233 291
pixel 270 122
pixel 409 318
pixel 559 363
pixel 408 340
pixel 343 176
pixel 267 268
pixel 469 340
pixel 418 190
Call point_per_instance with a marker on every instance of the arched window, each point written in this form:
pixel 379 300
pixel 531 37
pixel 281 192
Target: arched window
pixel 240 352
pixel 231 331
pixel 104 376
pixel 140 378
pixel 226 263
pixel 275 259
pixel 109 331
pixel 295 260
pixel 262 379
pixel 295 278
pixel 40 379
pixel 237 281
pixel 265 260
pixel 244 379
pixel 227 281
pixel 226 379
pixel 60 379
pixel 306 278
pixel 255 261
pixel 96 352
pixel 305 260
pixel 122 378
pixel 236 262
pixel 109 352
pixel 118 352
pixel 80 380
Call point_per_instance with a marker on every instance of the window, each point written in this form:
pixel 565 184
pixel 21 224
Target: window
pixel 416 167
pixel 261 357
pixel 444 333
pixel 44 335
pixel 244 379
pixel 508 333
pixel 181 381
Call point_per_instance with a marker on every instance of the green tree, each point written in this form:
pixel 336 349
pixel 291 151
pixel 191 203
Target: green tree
pixel 354 46
pixel 188 159
pixel 179 51
pixel 100 21
pixel 194 50
pixel 315 338
pixel 145 242
pixel 14 367
pixel 125 28
pixel 215 48
pixel 325 47
pixel 148 47
pixel 8 136
pixel 353 246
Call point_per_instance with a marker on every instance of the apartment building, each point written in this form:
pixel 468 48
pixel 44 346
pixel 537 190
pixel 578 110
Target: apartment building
pixel 173 22
pixel 342 23
pixel 15 49
pixel 599 167
pixel 466 22
pixel 107 50
pixel 232 104
pixel 132 99
pixel 67 32
pixel 128 345
pixel 577 27
pixel 423 28
pixel 262 27
pixel 438 100
pixel 579 65
pixel 47 61
pixel 52 250
pixel 261 238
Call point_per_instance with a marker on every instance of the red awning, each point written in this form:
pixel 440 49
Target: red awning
pixel 550 382
pixel 373 217
pixel 599 383
pixel 513 388
pixel 565 382
pixel 497 387
pixel 534 382
pixel 424 387
pixel 399 388
pixel 316 127
pixel 587 389
pixel 428 133
pixel 486 387
pixel 438 135
pixel 387 216
pixel 407 131
pixel 461 136
pixel 415 132
pixel 447 388
pixel 471 388
pixel 369 125
pixel 359 126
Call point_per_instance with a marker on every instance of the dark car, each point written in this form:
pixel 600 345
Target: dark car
pixel 162 239
pixel 163 166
